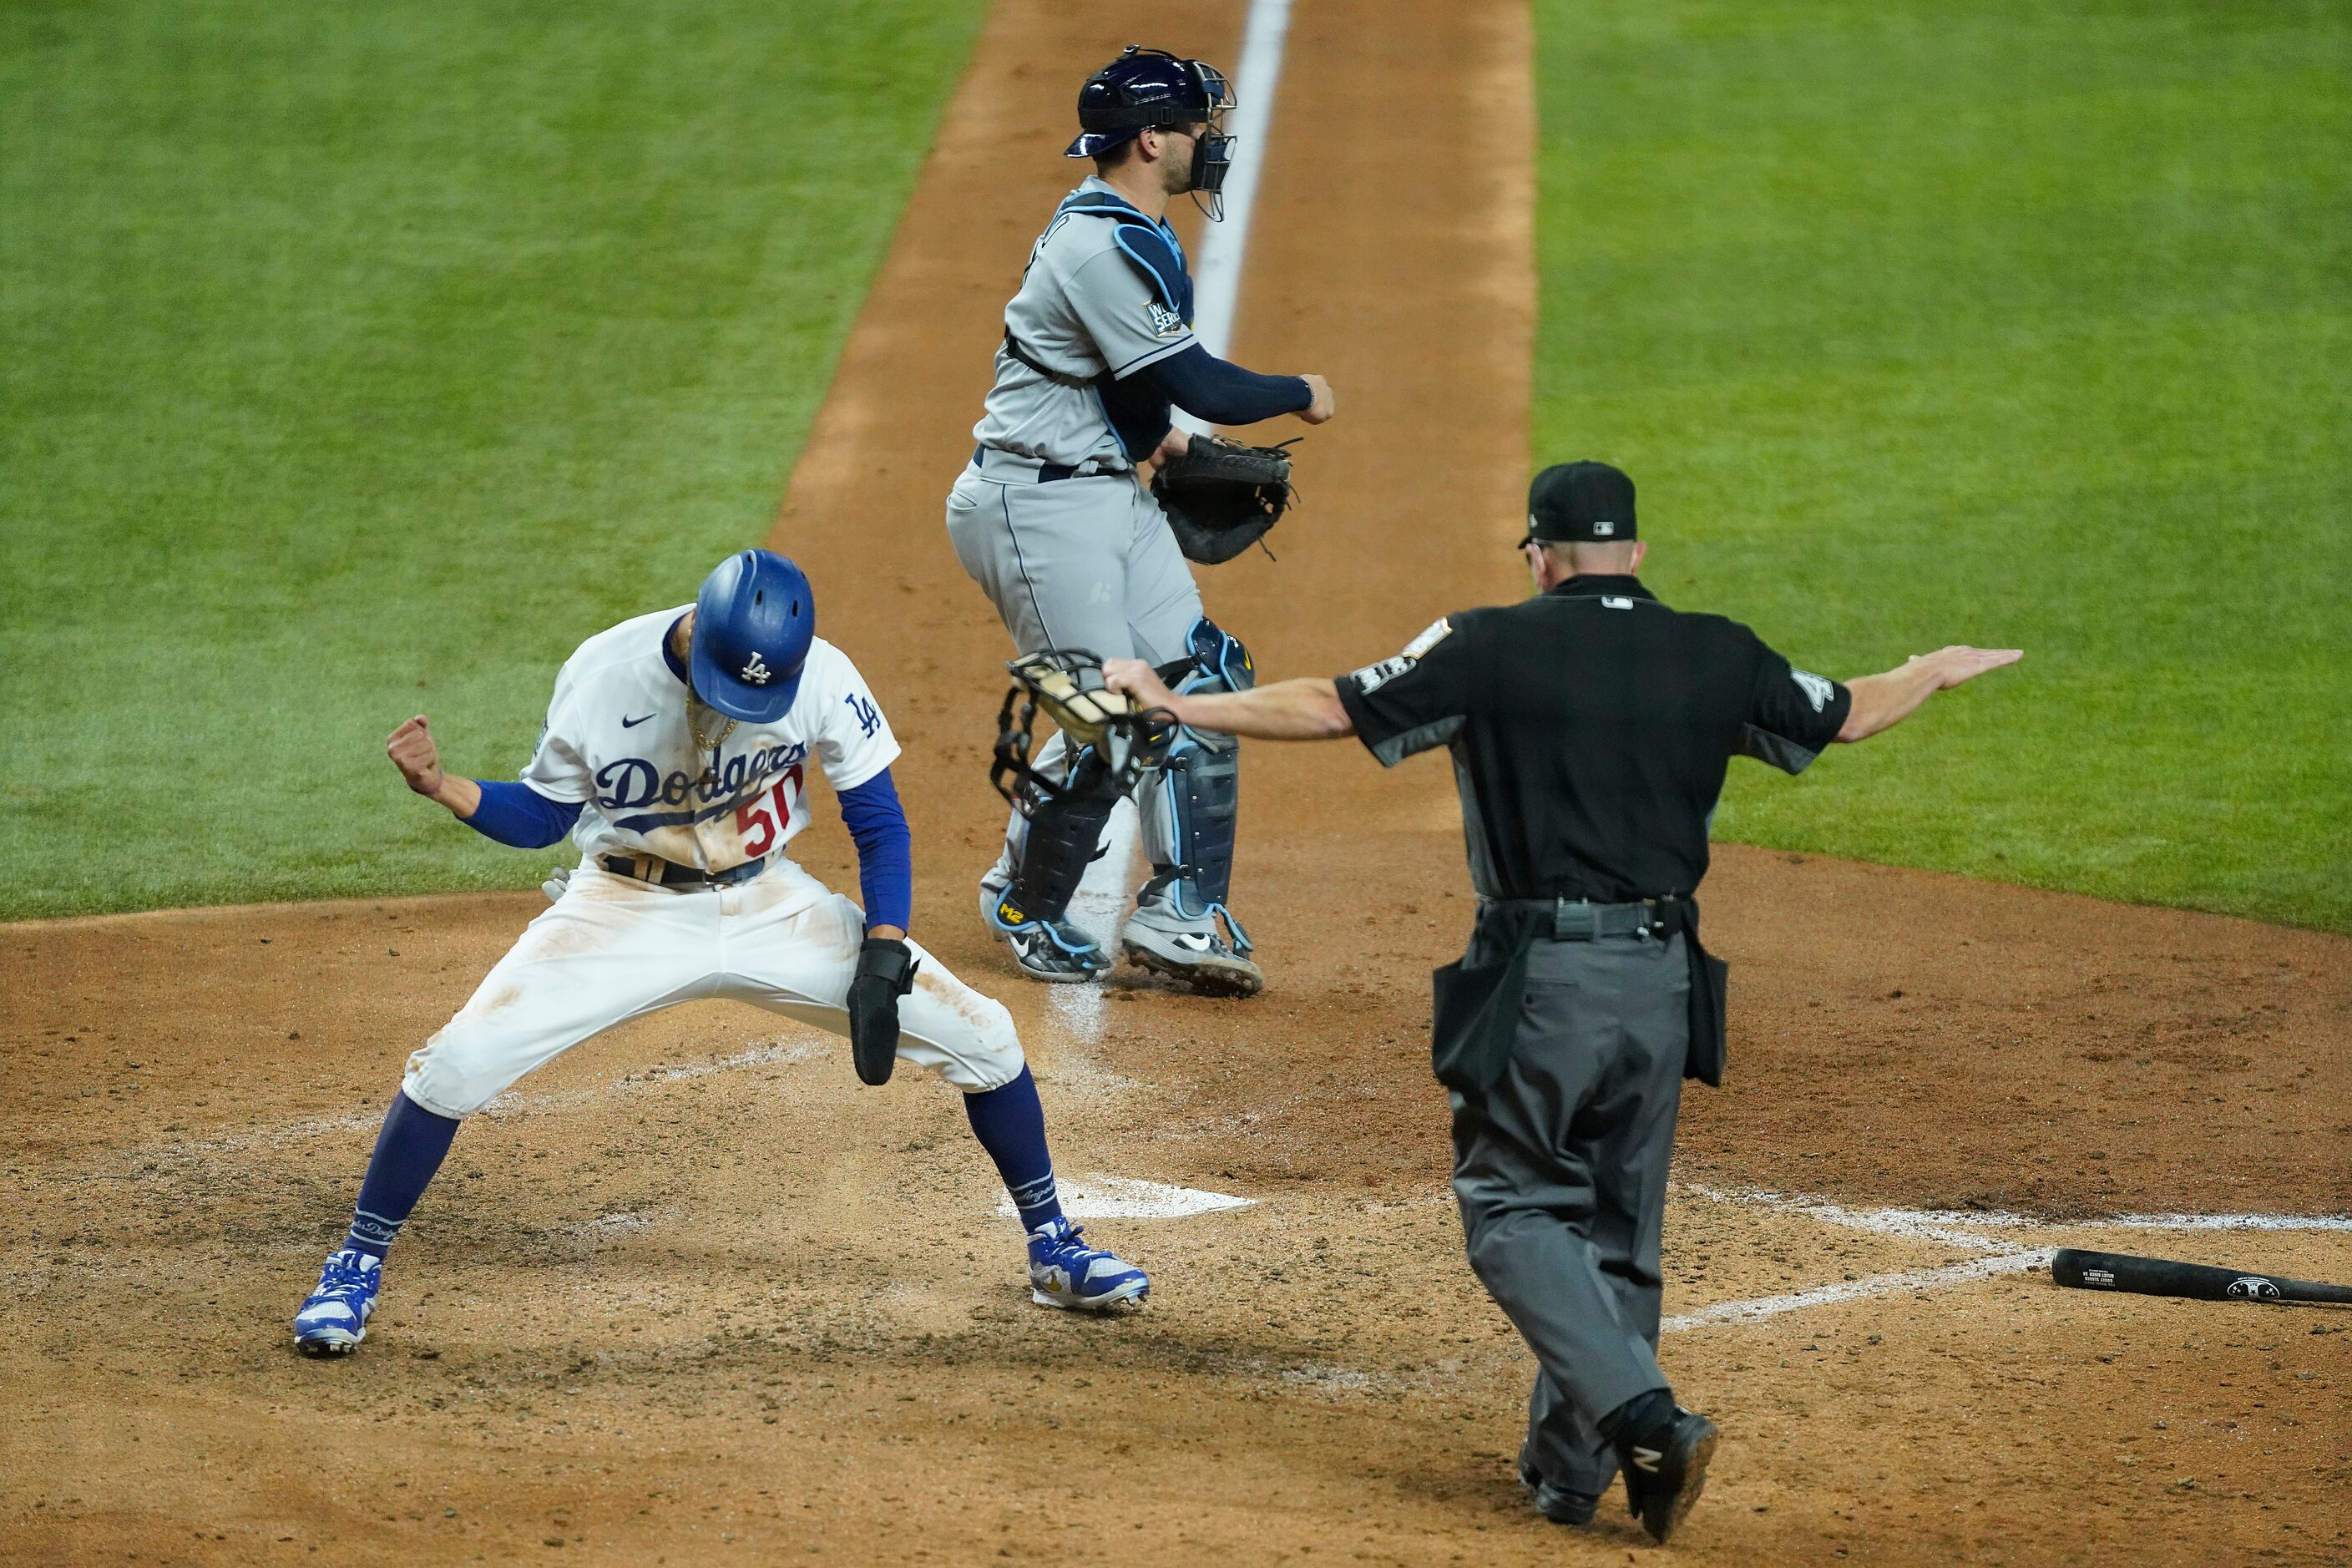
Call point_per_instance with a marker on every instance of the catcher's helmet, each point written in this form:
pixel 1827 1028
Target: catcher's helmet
pixel 1152 88
pixel 754 622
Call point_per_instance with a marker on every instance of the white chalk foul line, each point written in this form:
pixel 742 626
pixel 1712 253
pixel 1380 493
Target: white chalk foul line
pixel 1961 1228
pixel 1756 1308
pixel 1255 78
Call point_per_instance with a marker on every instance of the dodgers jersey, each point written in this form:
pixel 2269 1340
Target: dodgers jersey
pixel 1085 308
pixel 618 742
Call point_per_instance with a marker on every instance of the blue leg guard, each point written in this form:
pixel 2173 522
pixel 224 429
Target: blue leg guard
pixel 1065 834
pixel 1190 805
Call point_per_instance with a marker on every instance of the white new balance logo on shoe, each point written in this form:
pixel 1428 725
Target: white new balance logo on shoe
pixel 1647 1460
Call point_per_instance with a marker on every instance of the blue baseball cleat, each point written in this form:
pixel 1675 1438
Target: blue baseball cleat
pixel 1064 1271
pixel 334 1320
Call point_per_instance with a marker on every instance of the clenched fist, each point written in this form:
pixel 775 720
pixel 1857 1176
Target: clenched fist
pixel 1323 404
pixel 412 751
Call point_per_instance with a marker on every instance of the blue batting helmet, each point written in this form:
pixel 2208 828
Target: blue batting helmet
pixel 754 622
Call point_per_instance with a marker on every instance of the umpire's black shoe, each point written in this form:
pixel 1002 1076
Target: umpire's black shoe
pixel 1557 1503
pixel 1666 1469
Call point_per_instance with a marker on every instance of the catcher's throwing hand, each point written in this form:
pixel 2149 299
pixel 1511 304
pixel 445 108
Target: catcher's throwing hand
pixel 886 972
pixel 1323 406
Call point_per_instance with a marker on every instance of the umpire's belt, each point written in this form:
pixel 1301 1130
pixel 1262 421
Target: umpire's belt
pixel 1476 1003
pixel 1576 920
pixel 1012 468
pixel 663 873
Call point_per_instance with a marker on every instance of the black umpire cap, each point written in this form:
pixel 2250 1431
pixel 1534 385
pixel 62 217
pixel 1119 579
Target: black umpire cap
pixel 1582 503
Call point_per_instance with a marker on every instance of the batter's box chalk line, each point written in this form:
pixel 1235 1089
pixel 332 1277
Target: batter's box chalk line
pixel 1960 1229
pixel 1125 1197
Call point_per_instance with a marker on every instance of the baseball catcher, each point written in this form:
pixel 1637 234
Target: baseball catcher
pixel 1049 519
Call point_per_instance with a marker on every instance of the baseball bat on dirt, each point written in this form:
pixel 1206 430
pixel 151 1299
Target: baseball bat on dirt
pixel 2163 1277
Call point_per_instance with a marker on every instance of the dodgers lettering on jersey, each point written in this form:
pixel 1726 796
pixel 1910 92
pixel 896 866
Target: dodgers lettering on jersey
pixel 617 740
pixel 1084 307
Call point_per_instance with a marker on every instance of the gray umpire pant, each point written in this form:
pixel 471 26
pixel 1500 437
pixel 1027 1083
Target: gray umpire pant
pixel 1562 1176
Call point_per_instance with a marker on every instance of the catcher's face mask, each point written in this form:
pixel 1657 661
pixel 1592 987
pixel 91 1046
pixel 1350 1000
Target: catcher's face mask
pixel 1066 685
pixel 1212 150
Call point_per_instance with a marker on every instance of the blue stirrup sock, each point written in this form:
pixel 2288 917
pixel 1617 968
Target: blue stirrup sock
pixel 1011 1125
pixel 407 1152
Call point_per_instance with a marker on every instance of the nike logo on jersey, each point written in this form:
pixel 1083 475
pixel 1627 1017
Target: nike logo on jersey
pixel 629 724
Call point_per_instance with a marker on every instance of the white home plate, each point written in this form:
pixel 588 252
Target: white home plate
pixel 1122 1197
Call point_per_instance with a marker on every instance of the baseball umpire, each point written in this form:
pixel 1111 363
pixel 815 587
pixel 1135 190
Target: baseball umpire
pixel 1050 520
pixel 1591 727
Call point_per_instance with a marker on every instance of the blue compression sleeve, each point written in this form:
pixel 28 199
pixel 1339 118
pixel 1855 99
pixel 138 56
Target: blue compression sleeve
pixel 408 1150
pixel 515 814
pixel 1011 1125
pixel 1209 388
pixel 885 852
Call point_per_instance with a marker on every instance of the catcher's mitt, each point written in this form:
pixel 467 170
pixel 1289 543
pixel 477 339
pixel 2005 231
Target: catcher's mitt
pixel 1066 685
pixel 1221 496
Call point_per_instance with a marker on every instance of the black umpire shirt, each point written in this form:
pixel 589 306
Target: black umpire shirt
pixel 1591 729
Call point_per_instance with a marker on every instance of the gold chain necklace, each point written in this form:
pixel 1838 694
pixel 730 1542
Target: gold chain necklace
pixel 694 709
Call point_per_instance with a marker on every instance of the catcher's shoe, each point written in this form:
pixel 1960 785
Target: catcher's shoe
pixel 1192 952
pixel 334 1320
pixel 1053 951
pixel 1064 1271
pixel 1560 1504
pixel 1666 1469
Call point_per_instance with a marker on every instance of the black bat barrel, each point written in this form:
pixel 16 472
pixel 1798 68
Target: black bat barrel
pixel 2196 1281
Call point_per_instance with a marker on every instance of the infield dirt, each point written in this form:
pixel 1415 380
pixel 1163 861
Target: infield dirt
pixel 692 1295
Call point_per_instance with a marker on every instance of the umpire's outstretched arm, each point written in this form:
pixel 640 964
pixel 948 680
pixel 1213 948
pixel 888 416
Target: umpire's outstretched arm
pixel 1306 709
pixel 1309 708
pixel 1883 701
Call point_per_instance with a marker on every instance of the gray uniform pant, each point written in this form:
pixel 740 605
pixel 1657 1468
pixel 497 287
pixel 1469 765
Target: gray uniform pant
pixel 1561 1175
pixel 1081 563
pixel 1084 563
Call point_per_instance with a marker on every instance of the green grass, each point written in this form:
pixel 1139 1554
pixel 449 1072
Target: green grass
pixel 2010 323
pixel 359 360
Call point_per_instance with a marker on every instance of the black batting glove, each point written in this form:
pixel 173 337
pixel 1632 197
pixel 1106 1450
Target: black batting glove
pixel 886 972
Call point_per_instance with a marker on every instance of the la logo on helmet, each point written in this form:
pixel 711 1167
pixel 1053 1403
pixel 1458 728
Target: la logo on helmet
pixel 756 671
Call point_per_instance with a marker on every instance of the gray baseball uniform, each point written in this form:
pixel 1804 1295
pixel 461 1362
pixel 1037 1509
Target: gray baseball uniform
pixel 1050 518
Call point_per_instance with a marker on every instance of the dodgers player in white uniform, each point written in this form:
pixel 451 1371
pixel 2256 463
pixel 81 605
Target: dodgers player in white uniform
pixel 676 755
pixel 1076 554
